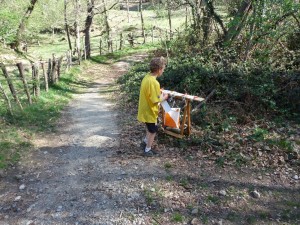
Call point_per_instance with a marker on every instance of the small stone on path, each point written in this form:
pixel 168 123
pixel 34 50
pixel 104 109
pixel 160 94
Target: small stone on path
pixel 22 187
pixel 222 193
pixel 195 221
pixel 195 211
pixel 255 194
pixel 18 198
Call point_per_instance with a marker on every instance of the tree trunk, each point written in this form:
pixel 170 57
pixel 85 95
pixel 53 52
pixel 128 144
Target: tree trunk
pixel 238 21
pixel 88 24
pixel 67 26
pixel 142 21
pixel 169 17
pixel 214 15
pixel 21 28
pixel 127 5
pixel 107 27
pixel 77 12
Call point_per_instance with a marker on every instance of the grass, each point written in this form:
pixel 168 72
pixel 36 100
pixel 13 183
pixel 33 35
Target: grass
pixel 17 131
pixel 48 47
pixel 117 55
pixel 168 165
pixel 177 217
pixel 149 197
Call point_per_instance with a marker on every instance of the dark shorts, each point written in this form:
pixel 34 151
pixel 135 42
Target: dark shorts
pixel 152 127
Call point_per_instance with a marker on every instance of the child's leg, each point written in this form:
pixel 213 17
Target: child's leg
pixel 147 135
pixel 150 139
pixel 150 135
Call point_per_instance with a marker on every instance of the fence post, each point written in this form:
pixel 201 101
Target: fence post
pixel 6 98
pixel 108 44
pixel 53 74
pixel 37 79
pixel 84 52
pixel 59 67
pixel 10 84
pixel 49 71
pixel 121 41
pixel 22 75
pixel 34 80
pixel 45 75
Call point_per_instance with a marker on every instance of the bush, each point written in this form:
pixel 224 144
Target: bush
pixel 258 90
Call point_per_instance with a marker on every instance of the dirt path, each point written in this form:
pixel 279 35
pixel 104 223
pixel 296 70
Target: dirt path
pixel 73 177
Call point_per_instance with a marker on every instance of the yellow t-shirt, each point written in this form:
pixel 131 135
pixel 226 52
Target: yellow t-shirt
pixel 149 99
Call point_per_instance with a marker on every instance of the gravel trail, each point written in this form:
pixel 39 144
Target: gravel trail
pixel 74 176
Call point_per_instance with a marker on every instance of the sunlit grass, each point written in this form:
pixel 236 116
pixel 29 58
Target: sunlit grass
pixel 18 130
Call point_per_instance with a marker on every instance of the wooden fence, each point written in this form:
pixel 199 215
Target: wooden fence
pixel 27 79
pixel 130 39
pixel 24 79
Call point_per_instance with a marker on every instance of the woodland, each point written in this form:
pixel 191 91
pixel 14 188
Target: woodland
pixel 242 56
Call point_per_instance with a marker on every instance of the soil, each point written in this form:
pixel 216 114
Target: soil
pixel 92 171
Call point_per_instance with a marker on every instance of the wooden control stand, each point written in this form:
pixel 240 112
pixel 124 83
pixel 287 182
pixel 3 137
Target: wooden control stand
pixel 185 127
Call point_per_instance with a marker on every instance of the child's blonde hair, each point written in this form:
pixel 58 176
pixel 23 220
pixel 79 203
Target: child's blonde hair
pixel 157 63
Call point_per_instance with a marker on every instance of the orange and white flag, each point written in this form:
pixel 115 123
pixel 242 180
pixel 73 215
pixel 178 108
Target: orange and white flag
pixel 172 115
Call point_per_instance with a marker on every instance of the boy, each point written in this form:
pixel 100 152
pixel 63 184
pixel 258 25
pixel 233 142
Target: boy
pixel 150 97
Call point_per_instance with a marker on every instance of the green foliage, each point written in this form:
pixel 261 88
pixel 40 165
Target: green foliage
pixel 177 217
pixel 8 25
pixel 168 165
pixel 130 82
pixel 213 199
pixel 259 134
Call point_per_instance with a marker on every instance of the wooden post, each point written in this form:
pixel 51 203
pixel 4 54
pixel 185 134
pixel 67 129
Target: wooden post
pixel 111 45
pixel 6 98
pixel 34 80
pixel 59 67
pixel 183 119
pixel 84 53
pixel 49 71
pixel 121 41
pixel 45 77
pixel 37 79
pixel 11 86
pixel 22 75
pixel 53 71
pixel 189 127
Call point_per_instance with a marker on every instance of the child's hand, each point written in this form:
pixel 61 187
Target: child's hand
pixel 165 96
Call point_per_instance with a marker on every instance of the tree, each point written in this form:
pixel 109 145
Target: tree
pixel 21 28
pixel 87 27
pixel 142 20
pixel 77 29
pixel 67 25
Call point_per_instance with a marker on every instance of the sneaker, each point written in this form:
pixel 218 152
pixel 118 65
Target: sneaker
pixel 150 153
